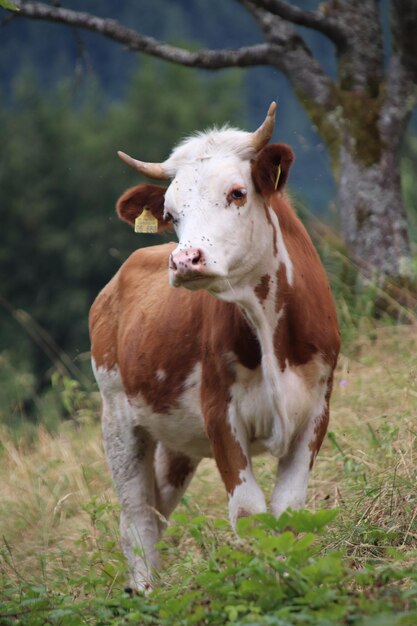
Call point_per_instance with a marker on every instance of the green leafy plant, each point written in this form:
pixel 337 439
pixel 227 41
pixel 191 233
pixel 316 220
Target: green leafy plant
pixel 274 572
pixel 6 4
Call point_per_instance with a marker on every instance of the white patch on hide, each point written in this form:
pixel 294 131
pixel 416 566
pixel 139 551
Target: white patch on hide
pixel 161 375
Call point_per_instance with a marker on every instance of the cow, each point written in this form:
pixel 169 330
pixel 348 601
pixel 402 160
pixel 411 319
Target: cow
pixel 222 345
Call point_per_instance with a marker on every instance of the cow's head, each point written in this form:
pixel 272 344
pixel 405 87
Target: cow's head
pixel 217 202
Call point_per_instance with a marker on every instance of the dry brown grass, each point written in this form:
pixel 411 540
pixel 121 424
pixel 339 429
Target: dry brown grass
pixel 44 490
pixel 367 468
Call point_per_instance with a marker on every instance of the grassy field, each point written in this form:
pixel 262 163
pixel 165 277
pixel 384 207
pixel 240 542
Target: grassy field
pixel 60 561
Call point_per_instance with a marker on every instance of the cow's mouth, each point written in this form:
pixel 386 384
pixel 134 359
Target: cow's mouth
pixel 192 280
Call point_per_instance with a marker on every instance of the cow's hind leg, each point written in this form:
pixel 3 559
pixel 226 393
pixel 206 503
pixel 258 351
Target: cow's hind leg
pixel 130 454
pixel 173 472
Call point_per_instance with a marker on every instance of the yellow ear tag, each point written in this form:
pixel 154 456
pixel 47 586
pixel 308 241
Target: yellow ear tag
pixel 278 177
pixel 146 222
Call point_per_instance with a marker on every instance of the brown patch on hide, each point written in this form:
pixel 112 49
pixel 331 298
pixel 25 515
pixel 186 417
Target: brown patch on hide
pixel 262 288
pixel 140 324
pixel 103 326
pixel 281 335
pixel 179 468
pixel 158 330
pixel 321 426
pixel 308 322
pixel 227 451
pixel 228 338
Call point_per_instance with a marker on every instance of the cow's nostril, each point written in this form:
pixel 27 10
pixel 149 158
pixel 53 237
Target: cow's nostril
pixel 196 258
pixel 186 260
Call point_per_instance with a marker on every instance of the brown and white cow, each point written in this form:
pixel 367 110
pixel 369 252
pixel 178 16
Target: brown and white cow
pixel 239 362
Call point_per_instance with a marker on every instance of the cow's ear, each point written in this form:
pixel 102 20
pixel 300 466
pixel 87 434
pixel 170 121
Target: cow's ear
pixel 131 204
pixel 271 167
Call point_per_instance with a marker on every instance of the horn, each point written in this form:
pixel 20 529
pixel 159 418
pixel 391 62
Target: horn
pixel 151 170
pixel 264 133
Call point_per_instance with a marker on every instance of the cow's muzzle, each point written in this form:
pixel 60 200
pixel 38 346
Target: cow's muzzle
pixel 187 265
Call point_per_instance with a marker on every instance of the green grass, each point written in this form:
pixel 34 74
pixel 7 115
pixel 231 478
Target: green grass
pixel 351 560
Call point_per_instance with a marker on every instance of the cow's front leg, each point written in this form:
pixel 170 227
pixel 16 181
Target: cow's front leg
pixel 130 455
pixel 230 446
pixel 290 489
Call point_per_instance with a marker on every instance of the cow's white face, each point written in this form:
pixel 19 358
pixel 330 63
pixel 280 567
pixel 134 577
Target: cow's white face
pixel 218 203
pixel 220 222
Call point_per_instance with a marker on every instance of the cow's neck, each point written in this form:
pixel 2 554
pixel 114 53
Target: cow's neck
pixel 263 305
pixel 262 292
pixel 262 298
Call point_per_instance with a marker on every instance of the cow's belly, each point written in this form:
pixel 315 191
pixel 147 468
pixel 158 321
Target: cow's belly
pixel 181 428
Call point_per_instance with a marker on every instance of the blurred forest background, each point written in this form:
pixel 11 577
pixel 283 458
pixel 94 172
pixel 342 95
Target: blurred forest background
pixel 69 100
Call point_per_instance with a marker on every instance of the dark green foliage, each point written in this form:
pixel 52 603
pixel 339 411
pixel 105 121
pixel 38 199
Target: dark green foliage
pixel 60 177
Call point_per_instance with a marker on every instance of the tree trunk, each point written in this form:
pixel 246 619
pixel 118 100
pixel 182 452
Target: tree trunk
pixel 373 219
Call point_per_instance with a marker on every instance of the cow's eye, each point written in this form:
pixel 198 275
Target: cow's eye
pixel 238 194
pixel 168 217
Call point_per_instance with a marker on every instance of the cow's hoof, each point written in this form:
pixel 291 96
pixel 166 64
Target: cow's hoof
pixel 144 589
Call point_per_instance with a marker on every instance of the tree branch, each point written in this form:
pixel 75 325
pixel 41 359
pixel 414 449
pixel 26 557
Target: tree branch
pixel 284 49
pixel 206 59
pixel 332 28
pixel 290 54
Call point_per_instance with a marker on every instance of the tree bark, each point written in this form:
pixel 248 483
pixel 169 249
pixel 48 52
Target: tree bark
pixel 373 220
pixel 361 117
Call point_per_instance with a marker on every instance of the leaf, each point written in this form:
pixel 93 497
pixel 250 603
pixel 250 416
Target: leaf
pixel 328 568
pixel 306 521
pixel 301 545
pixel 221 524
pixel 59 613
pixel 280 543
pixel 6 4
